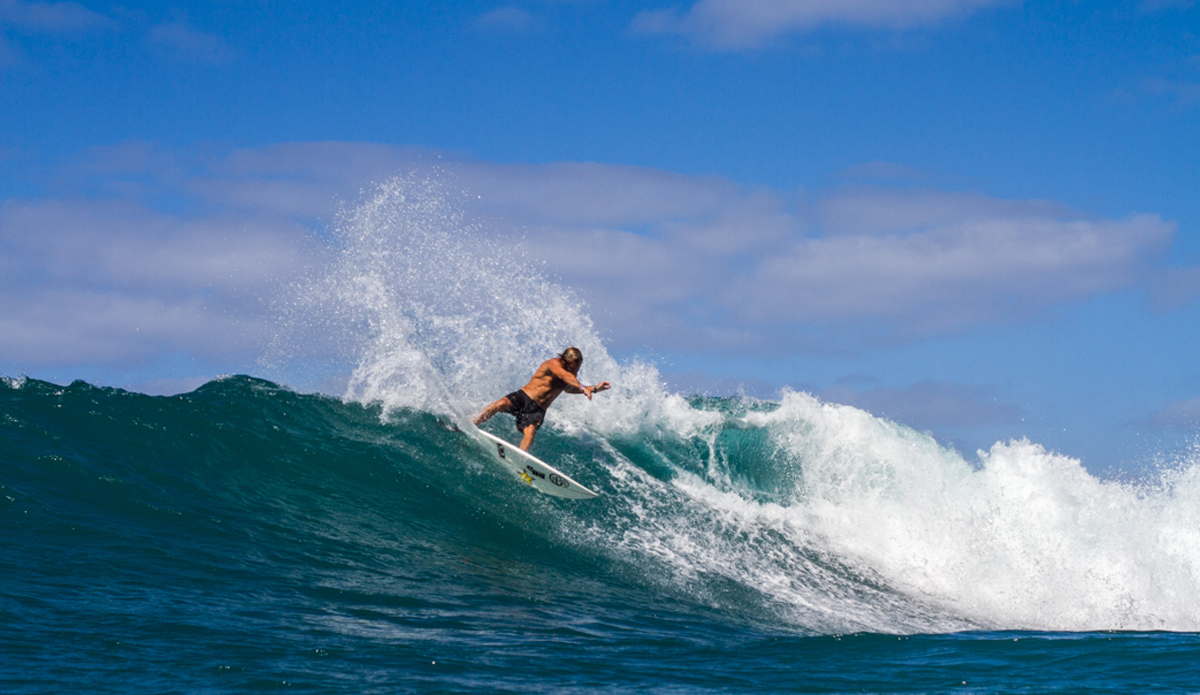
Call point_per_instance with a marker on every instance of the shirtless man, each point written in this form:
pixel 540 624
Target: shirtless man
pixel 529 403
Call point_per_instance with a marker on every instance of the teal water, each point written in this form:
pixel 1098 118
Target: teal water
pixel 244 537
pixel 247 537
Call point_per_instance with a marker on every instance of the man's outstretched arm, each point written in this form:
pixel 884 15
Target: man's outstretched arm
pixel 573 385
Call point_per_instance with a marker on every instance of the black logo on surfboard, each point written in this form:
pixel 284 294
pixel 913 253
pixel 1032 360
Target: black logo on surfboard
pixel 500 449
pixel 558 480
pixel 536 472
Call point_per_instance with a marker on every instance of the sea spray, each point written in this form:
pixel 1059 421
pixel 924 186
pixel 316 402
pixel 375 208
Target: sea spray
pixel 1024 539
pixel 245 537
pixel 438 313
pixel 816 514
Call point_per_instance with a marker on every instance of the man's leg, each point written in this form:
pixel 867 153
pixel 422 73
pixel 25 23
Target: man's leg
pixel 527 440
pixel 500 406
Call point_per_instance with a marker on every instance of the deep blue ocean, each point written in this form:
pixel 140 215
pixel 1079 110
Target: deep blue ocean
pixel 247 537
pixel 244 538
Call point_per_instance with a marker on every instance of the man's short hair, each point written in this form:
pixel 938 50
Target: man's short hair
pixel 571 354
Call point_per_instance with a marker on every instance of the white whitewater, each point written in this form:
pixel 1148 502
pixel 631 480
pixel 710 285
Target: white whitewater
pixel 865 524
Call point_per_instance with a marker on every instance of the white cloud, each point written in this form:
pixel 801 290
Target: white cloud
pixel 707 263
pixel 926 262
pixel 88 281
pixel 668 262
pixel 51 17
pixel 734 24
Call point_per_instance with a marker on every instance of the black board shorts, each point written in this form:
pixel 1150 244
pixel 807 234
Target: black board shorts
pixel 525 410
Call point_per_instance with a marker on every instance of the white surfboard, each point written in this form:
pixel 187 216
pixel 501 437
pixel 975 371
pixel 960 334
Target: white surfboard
pixel 530 469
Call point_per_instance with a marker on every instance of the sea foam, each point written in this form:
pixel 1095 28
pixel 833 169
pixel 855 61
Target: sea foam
pixel 825 514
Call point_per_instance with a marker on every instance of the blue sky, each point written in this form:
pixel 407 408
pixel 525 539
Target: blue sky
pixel 976 217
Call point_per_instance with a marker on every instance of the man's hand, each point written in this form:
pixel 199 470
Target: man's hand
pixel 602 386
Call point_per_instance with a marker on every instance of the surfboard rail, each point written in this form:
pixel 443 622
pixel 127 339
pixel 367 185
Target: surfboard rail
pixel 533 471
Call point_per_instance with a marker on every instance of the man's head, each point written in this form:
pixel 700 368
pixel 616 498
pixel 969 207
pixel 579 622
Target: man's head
pixel 571 358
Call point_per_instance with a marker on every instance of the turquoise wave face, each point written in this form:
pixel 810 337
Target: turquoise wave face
pixel 794 515
pixel 241 484
pixel 243 535
pixel 797 514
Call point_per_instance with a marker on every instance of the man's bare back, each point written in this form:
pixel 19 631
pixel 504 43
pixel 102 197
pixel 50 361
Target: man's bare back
pixel 551 378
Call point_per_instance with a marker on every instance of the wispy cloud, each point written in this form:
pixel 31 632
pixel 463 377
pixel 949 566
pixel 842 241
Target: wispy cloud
pixel 737 24
pixel 1182 92
pixel 186 249
pixel 68 19
pixel 1177 415
pixel 1174 287
pixel 104 281
pixel 185 43
pixel 509 20
pixel 707 263
pixel 930 261
pixel 51 17
pixel 1150 6
pixel 9 55
pixel 932 405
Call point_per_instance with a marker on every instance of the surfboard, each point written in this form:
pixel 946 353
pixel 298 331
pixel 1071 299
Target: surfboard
pixel 533 471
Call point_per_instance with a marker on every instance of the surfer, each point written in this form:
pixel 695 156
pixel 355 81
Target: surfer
pixel 528 404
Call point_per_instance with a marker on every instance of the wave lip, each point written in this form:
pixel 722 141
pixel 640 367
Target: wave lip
pixel 822 516
pixel 789 516
pixel 795 516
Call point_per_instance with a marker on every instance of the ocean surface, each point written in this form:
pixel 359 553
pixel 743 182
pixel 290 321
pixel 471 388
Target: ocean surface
pixel 248 537
pixel 244 537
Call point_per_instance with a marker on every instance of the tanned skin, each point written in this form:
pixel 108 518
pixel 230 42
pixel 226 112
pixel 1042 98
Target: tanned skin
pixel 554 376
